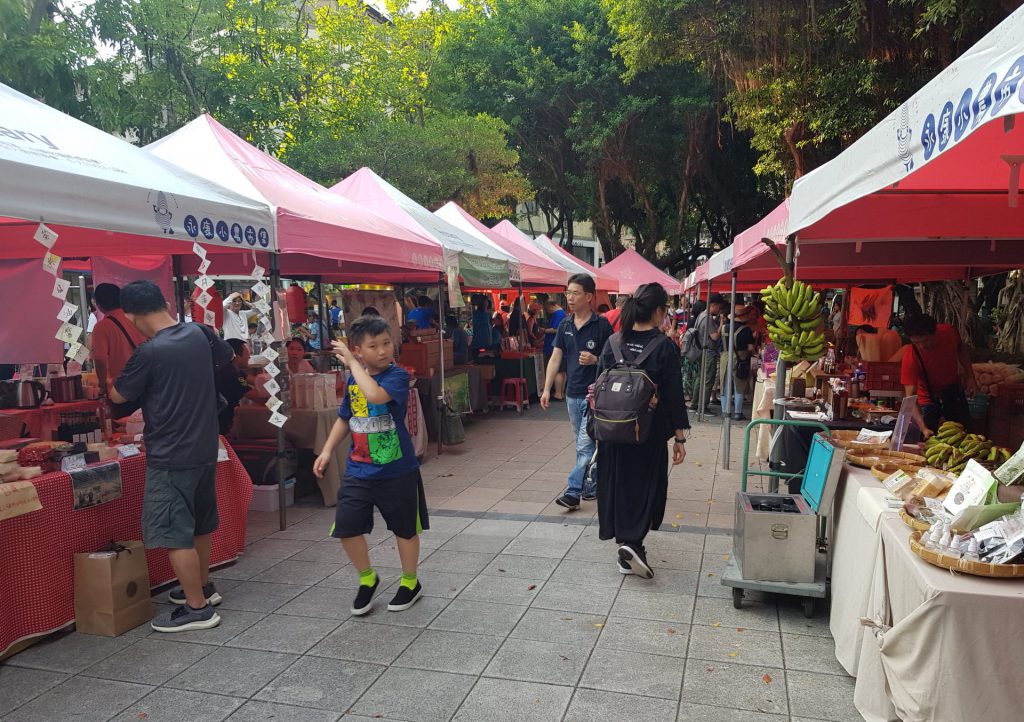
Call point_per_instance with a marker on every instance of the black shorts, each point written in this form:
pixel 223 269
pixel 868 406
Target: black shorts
pixel 400 500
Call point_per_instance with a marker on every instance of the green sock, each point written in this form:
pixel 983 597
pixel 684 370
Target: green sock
pixel 408 581
pixel 367 577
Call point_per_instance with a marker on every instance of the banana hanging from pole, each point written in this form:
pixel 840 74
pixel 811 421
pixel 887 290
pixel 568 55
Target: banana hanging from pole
pixel 794 318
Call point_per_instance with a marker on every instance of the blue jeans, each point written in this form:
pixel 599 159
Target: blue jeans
pixel 584 447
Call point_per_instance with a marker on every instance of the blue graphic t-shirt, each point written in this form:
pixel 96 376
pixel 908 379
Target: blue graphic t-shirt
pixel 381 445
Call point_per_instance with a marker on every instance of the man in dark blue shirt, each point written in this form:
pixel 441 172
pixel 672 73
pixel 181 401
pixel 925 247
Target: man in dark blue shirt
pixel 579 340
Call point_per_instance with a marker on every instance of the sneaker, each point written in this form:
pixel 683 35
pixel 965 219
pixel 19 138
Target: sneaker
pixel 364 599
pixel 589 496
pixel 405 598
pixel 739 417
pixel 623 568
pixel 630 557
pixel 185 619
pixel 177 595
pixel 572 503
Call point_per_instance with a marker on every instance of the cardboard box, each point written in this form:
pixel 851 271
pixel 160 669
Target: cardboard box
pixel 112 590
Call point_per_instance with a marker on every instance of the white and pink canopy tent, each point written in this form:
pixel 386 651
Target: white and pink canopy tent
pixel 559 255
pixel 319 233
pixel 536 268
pixel 633 270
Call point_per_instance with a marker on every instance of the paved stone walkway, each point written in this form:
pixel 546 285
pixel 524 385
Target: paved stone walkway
pixel 525 618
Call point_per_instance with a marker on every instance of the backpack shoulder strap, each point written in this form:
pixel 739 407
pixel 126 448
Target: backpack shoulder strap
pixel 615 341
pixel 650 348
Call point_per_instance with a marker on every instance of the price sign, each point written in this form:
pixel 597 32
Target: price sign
pixel 73 462
pixel 126 451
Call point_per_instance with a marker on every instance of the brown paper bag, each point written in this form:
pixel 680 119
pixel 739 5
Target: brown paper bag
pixel 112 590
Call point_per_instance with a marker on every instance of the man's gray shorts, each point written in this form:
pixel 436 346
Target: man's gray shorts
pixel 179 504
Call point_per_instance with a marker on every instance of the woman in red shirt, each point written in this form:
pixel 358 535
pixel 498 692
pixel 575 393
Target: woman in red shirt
pixel 937 368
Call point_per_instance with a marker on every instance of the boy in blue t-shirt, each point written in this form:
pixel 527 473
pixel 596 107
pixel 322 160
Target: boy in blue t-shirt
pixel 382 467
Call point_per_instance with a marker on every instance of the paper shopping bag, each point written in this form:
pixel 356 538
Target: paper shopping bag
pixel 112 589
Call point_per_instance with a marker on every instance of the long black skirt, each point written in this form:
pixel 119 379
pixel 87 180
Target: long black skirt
pixel 632 486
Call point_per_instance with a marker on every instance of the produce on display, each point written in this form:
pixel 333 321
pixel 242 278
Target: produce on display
pixel 991 375
pixel 794 320
pixel 952 447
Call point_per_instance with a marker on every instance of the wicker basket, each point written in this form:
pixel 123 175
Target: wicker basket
pixel 847 439
pixel 885 469
pixel 978 569
pixel 915 524
pixel 866 459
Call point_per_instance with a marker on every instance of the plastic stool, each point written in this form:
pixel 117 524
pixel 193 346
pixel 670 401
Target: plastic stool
pixel 515 393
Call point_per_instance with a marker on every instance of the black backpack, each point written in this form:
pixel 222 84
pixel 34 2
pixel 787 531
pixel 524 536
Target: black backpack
pixel 622 410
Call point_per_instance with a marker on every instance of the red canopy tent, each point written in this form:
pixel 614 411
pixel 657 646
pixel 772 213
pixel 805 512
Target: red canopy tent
pixel 559 255
pixel 632 271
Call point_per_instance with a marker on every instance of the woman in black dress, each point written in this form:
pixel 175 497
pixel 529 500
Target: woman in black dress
pixel 632 480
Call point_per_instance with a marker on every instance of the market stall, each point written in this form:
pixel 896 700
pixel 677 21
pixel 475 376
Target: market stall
pixel 559 255
pixel 37 566
pixel 633 270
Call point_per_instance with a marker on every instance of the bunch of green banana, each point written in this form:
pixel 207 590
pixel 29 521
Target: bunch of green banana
pixel 952 447
pixel 794 319
pixel 951 432
pixel 939 454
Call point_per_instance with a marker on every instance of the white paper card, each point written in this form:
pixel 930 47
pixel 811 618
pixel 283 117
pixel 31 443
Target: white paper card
pixel 262 306
pixel 272 369
pixel 51 262
pixel 68 333
pixel 268 338
pixel 72 350
pixel 203 299
pixel 204 282
pixel 60 288
pixel 258 272
pixel 222 454
pixel 45 236
pixel 67 312
pixel 126 451
pixel 199 251
pixel 270 354
pixel 209 317
pixel 274 403
pixel 261 289
pixel 272 387
pixel 204 266
pixel 81 355
pixel 278 419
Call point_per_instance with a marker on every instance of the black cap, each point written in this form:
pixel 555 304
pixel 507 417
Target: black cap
pixel 716 298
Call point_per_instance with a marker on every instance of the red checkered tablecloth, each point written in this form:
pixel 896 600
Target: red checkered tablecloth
pixel 37 580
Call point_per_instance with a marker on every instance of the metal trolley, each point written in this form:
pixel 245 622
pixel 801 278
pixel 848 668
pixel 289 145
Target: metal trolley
pixel 817 489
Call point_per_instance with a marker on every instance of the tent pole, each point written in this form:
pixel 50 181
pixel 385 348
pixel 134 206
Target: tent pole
pixel 704 359
pixel 179 287
pixel 780 368
pixel 440 399
pixel 275 284
pixel 729 391
pixel 322 330
pixel 522 325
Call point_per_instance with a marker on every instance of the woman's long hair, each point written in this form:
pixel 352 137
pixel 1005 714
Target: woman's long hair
pixel 641 306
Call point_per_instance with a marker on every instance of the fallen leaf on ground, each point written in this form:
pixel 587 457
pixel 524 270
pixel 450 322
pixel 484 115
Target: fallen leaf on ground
pixel 564 657
pixel 502 571
pixel 670 630
pixel 697 463
pixel 725 557
pixel 598 624
pixel 143 715
pixel 674 525
pixel 767 679
pixel 711 574
pixel 567 619
pixel 717 624
pixel 734 654
pixel 709 669
pixel 531 586
pixel 679 516
pixel 741 629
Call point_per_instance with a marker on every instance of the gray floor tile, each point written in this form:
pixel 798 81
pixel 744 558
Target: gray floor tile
pixel 644 635
pixel 347 580
pixel 376 643
pixel 456 562
pixel 464 615
pixel 284 633
pixel 822 696
pixel 246 567
pixel 91 700
pixel 666 581
pixel 177 705
pixel 260 596
pixel 662 559
pixel 548 625
pixel 554 532
pixel 324 551
pixel 574 571
pixel 585 599
pixel 303 573
pixel 675 542
pixel 793 621
pixel 521 567
pixel 234 672
pixel 729 644
pixel 811 654
pixel 415 694
pixel 466 542
pixel 589 549
pixel 499 700
pixel 712 611
pixel 277 548
pixel 501 590
pixel 711 586
pixel 675 608
pixel 69 652
pixel 495 527
pixel 689 712
pixel 594 705
pixel 232 623
pixel 537 547
pixel 419 615
pixel 18 685
pixel 718 544
pixel 760 689
pixel 322 602
pixel 632 672
pixel 443 584
pixel 449 652
pixel 270 712
pixel 330 684
pixel 152 660
pixel 532 661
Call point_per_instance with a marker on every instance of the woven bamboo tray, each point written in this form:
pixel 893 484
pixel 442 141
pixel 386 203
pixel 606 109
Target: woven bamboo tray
pixel 867 459
pixel 978 569
pixel 886 469
pixel 915 524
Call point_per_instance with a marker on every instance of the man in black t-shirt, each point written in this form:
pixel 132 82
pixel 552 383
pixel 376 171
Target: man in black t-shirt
pixel 171 377
pixel 230 383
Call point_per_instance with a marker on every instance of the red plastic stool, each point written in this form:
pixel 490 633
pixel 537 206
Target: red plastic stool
pixel 515 393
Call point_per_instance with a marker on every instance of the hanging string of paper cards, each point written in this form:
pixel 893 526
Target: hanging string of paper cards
pixel 264 330
pixel 68 332
pixel 201 310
